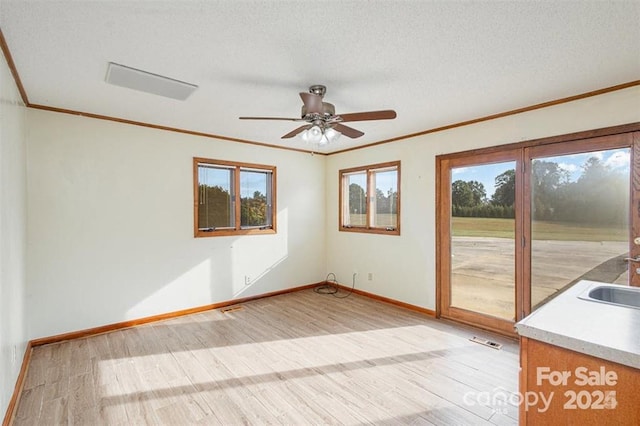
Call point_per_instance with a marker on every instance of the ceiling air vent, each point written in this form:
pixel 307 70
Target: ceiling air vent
pixel 143 81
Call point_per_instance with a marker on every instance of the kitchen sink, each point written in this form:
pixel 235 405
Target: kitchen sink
pixel 613 294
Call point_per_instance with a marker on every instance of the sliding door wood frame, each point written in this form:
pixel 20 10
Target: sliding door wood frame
pixel 597 139
pixel 634 249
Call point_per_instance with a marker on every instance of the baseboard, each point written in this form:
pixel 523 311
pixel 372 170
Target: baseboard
pixel 409 306
pixel 146 320
pixel 17 390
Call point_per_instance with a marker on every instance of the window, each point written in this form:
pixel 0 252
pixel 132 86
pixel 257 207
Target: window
pixel 219 185
pixel 370 199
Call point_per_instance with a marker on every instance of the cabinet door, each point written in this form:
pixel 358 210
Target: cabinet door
pixel 562 387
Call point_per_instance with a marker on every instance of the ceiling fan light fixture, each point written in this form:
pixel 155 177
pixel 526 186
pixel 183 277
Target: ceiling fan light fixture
pixel 320 135
pixel 331 135
pixel 322 120
pixel 315 131
pixel 308 137
pixel 314 135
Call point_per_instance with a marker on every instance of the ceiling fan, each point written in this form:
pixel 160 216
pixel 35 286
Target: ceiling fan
pixel 323 125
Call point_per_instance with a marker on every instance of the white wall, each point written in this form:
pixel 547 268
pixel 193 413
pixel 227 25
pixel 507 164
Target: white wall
pixel 111 224
pixel 13 229
pixel 110 216
pixel 403 266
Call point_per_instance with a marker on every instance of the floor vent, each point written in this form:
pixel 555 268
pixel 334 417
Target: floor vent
pixel 486 342
pixel 231 309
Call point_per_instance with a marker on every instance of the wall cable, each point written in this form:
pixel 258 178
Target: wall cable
pixel 332 287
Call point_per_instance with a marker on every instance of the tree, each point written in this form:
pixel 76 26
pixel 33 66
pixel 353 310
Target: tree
pixel 601 194
pixel 215 209
pixel 382 202
pixel 594 171
pixel 548 183
pixel 468 193
pixel 505 194
pixel 478 192
pixel 253 210
pixel 357 199
pixel 461 194
pixel 392 196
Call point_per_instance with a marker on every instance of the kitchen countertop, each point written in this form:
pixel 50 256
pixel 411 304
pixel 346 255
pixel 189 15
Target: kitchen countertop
pixel 598 329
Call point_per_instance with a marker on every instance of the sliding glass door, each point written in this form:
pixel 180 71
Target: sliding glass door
pixel 516 227
pixel 483 239
pixel 578 217
pixel 479 233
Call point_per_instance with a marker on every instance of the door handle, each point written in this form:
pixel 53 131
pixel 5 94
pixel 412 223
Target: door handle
pixel 632 259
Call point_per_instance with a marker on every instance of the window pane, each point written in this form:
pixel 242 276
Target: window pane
pixel 579 221
pixel 385 211
pixel 255 198
pixel 215 208
pixel 355 213
pixel 483 239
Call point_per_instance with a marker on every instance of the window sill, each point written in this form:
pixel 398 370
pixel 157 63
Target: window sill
pixel 362 230
pixel 230 232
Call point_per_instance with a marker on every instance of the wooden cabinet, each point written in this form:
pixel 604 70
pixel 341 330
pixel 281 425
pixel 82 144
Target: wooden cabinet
pixel 561 387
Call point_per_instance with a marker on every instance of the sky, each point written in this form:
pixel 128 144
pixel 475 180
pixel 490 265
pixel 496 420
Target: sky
pixel 249 181
pixel 616 159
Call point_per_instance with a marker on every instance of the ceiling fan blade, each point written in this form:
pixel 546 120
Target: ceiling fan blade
pixel 296 131
pixel 386 114
pixel 271 118
pixel 312 103
pixel 347 131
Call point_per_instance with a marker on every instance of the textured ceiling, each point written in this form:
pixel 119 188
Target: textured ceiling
pixel 435 63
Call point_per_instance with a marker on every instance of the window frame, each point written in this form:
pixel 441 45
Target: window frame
pixel 369 171
pixel 237 229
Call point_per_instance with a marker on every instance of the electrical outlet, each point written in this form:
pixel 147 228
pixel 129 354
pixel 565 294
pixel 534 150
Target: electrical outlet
pixel 14 354
pixel 355 271
pixel 370 276
pixel 247 280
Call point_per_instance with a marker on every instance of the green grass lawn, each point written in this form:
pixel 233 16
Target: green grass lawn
pixel 505 228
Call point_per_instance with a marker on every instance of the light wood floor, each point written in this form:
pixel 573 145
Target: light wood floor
pixel 298 358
